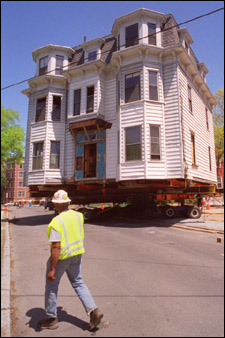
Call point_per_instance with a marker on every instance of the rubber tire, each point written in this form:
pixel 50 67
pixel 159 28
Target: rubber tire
pixel 194 212
pixel 169 212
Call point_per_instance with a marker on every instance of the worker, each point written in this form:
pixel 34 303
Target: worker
pixel 66 236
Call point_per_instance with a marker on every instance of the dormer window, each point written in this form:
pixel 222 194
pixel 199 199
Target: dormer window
pixel 92 55
pixel 43 65
pixel 132 35
pixel 152 34
pixel 59 64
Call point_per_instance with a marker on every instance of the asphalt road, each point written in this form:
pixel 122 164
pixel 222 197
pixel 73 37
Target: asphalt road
pixel 149 281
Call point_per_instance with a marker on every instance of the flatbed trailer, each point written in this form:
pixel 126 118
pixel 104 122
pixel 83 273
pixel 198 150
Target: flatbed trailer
pixel 141 197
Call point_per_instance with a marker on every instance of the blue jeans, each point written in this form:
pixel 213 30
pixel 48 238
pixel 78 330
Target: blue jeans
pixel 72 266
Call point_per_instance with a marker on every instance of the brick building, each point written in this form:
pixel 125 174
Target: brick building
pixel 15 189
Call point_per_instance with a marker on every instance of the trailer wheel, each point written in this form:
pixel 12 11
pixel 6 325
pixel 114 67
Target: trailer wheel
pixel 194 212
pixel 169 211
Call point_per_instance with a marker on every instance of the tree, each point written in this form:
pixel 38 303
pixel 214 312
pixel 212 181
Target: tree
pixel 218 119
pixel 12 137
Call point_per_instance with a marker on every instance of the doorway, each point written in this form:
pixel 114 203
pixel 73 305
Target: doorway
pixel 90 160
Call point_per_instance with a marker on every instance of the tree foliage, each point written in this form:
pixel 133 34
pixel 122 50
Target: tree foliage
pixel 12 137
pixel 218 119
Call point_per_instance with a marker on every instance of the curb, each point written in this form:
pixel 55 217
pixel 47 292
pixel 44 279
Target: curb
pixel 211 231
pixel 5 286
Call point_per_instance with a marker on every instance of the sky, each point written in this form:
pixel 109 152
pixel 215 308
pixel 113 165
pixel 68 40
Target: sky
pixel 28 25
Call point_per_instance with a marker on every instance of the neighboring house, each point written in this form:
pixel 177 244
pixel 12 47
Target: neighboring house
pixel 220 177
pixel 15 189
pixel 120 108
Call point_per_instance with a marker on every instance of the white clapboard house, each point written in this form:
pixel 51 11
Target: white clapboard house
pixel 129 109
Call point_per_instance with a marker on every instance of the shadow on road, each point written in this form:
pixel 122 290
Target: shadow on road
pixel 37 314
pixel 32 220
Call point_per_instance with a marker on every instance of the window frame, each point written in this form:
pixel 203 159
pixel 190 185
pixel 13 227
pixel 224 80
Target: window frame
pixel 76 103
pixel 207 118
pixel 210 158
pixel 59 66
pixel 151 142
pixel 133 144
pixel 57 156
pixel 129 98
pixel 190 105
pixel 92 57
pixel 92 98
pixel 44 69
pixel 193 150
pixel 40 113
pixel 152 37
pixel 134 39
pixel 55 110
pixel 152 85
pixel 38 157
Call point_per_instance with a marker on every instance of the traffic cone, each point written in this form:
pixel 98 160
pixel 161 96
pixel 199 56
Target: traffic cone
pixel 102 206
pixel 5 209
pixel 208 207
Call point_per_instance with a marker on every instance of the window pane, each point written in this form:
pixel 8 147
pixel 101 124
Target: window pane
pixel 132 87
pixel 37 155
pixel 153 93
pixel 40 110
pixel 59 64
pixel 77 98
pixel 54 158
pixel 43 65
pixel 155 142
pixel 133 152
pixel 132 35
pixel 92 55
pixel 90 99
pixel 152 30
pixel 56 108
pixel 153 78
pixel 133 135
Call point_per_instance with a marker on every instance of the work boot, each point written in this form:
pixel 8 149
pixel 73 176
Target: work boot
pixel 95 319
pixel 48 323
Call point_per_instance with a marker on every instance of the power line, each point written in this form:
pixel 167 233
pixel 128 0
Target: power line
pixel 147 36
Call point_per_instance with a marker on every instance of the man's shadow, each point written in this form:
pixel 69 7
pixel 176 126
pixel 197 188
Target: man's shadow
pixel 37 314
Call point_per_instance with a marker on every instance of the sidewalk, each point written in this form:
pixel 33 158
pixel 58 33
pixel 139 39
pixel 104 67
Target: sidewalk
pixel 5 279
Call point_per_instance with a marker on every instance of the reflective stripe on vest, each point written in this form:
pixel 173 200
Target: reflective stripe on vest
pixel 67 247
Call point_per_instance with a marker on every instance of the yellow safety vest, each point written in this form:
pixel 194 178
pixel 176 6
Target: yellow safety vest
pixel 70 225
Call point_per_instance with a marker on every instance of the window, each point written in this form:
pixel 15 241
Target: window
pixel 210 160
pixel 54 156
pixel 90 99
pixel 21 166
pixel 56 111
pixel 40 110
pixel 219 182
pixel 153 86
pixel 21 194
pixel 155 142
pixel 193 148
pixel 133 143
pixel 189 99
pixel 151 32
pixel 38 155
pixel 207 118
pixel 43 65
pixel 132 87
pixel 59 64
pixel 92 55
pixel 132 35
pixel 20 174
pixel 77 98
pixel 20 184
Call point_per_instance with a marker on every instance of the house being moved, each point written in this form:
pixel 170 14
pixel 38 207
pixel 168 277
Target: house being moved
pixel 121 115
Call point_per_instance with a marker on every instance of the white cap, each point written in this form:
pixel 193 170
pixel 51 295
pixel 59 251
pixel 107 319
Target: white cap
pixel 60 196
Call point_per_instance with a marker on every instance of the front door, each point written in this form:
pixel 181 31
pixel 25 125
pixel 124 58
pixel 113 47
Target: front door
pixel 90 158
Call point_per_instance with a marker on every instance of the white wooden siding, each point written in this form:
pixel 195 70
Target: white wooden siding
pixel 196 122
pixel 173 140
